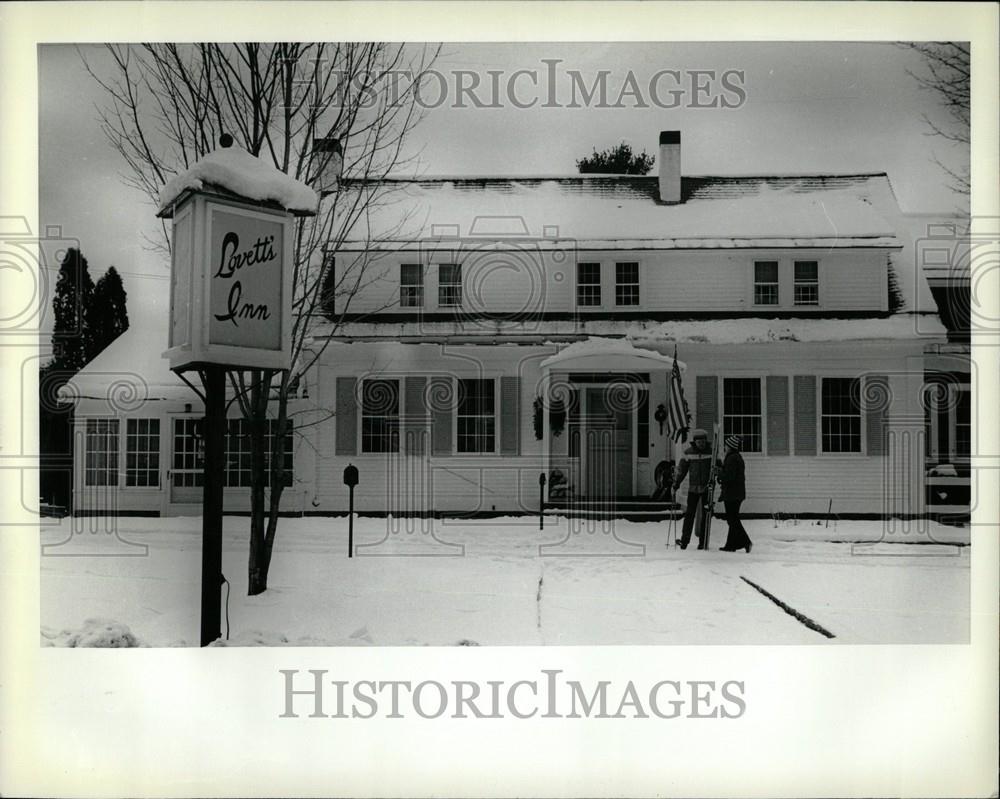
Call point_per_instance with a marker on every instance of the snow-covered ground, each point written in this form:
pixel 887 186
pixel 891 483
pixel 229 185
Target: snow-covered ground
pixel 502 581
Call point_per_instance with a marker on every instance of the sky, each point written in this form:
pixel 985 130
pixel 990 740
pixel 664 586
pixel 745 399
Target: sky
pixel 808 108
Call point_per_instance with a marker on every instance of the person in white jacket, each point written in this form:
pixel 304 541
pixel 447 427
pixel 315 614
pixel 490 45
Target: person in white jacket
pixel 696 465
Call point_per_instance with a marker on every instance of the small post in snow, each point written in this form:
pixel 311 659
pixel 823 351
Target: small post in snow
pixel 350 480
pixel 541 501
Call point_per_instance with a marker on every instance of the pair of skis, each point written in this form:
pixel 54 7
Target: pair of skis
pixel 709 506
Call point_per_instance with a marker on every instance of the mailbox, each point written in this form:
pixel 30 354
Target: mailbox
pixel 351 475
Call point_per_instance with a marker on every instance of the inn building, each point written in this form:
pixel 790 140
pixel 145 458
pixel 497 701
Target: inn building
pixel 523 330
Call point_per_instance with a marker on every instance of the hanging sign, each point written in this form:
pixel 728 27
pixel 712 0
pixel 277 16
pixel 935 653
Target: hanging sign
pixel 230 299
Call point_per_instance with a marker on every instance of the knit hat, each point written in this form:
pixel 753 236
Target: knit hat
pixel 734 442
pixel 698 433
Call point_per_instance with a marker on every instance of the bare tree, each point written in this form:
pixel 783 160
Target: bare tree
pixel 946 73
pixel 167 107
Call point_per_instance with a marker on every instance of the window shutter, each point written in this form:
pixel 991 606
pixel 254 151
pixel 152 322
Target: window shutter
pixel 441 399
pixel 777 415
pixel 875 393
pixel 415 415
pixel 510 415
pixel 805 415
pixel 706 412
pixel 347 416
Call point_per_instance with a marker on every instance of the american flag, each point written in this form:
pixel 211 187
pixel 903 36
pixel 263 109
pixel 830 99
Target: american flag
pixel 678 416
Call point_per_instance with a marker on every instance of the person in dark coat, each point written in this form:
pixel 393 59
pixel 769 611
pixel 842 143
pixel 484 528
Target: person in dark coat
pixel 732 476
pixel 696 465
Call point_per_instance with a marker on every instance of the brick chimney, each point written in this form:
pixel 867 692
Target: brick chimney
pixel 329 159
pixel 670 166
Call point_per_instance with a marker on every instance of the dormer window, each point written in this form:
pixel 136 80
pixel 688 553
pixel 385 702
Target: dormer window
pixel 588 284
pixel 627 283
pixel 411 286
pixel 765 283
pixel 449 285
pixel 806 283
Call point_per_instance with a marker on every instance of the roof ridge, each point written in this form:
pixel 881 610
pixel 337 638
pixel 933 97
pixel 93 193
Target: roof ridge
pixel 613 176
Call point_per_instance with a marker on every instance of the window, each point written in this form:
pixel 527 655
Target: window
pixel 765 283
pixel 841 414
pixel 102 452
pixel 238 456
pixel 449 285
pixel 806 283
pixel 588 284
pixel 741 411
pixel 476 416
pixel 380 416
pixel 142 453
pixel 238 453
pixel 963 423
pixel 627 283
pixel 189 454
pixel 411 286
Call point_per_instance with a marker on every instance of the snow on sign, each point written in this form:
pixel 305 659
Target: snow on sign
pixel 231 270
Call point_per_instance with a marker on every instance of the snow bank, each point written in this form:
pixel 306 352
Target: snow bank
pixel 95 633
pixel 254 638
pixel 510 584
pixel 235 169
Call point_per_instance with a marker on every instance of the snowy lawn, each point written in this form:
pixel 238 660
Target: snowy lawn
pixel 502 581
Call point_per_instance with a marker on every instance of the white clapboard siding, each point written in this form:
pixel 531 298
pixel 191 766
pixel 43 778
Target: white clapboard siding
pixel 785 481
pixel 530 281
pixel 688 281
pixel 853 283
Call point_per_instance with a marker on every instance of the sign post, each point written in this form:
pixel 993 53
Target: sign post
pixel 214 487
pixel 230 305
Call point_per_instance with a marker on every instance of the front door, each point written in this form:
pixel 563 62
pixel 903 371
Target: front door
pixel 187 462
pixel 609 459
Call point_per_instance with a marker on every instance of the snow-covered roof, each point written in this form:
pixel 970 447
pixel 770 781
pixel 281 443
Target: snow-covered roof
pixel 624 211
pixel 130 370
pixel 750 330
pixel 936 246
pixel 760 331
pixel 620 353
pixel 239 172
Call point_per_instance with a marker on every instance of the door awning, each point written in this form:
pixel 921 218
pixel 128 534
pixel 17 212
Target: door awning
pixel 612 354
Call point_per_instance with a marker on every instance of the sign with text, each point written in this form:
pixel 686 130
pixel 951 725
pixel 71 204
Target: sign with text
pixel 230 297
pixel 245 286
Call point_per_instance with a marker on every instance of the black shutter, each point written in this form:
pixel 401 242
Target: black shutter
pixel 347 416
pixel 415 421
pixel 805 415
pixel 777 415
pixel 441 399
pixel 876 407
pixel 706 402
pixel 510 415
